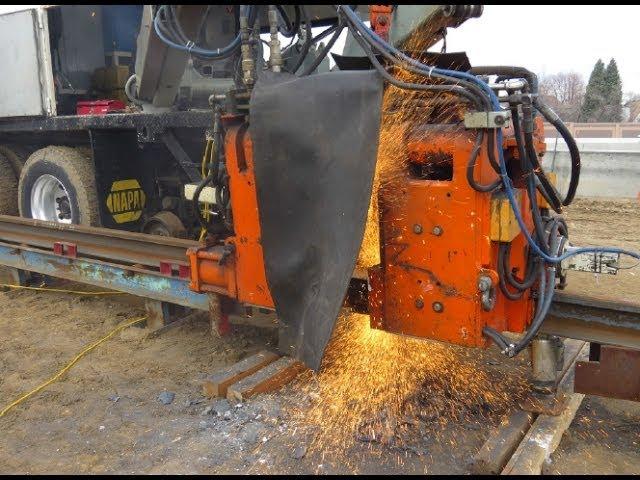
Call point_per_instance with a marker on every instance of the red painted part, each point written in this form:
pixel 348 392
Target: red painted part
pixel 72 250
pixel 184 271
pixel 169 268
pixel 380 18
pixel 166 269
pixel 65 249
pixel 99 107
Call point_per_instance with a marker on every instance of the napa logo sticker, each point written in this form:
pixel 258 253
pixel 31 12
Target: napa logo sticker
pixel 126 200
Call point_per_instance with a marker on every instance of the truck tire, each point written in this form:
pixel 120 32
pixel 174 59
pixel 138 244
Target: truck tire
pixel 8 188
pixel 58 184
pixel 165 224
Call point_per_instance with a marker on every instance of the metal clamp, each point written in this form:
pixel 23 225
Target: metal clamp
pixel 488 300
pixel 487 119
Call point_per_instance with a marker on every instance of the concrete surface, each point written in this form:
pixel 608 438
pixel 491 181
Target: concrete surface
pixel 610 166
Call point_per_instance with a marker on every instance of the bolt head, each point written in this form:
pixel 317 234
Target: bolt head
pixel 437 230
pixel 417 229
pixel 484 284
pixel 437 307
pixel 419 303
pixel 499 120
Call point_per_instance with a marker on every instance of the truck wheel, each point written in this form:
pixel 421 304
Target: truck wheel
pixel 8 188
pixel 58 184
pixel 165 224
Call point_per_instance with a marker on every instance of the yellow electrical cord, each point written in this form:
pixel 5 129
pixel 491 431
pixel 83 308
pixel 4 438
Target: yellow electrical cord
pixel 59 290
pixel 71 364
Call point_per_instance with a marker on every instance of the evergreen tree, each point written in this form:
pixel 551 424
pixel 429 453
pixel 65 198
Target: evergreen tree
pixel 613 93
pixel 595 97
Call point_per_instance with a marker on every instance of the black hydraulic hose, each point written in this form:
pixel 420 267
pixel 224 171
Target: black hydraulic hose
pixel 532 155
pixel 502 269
pixel 320 56
pixel 531 271
pixel 507 347
pixel 551 191
pixel 491 151
pixel 527 169
pixel 544 303
pixel 534 328
pixel 214 169
pixel 517 133
pixel 498 339
pixel 557 122
pixel 531 183
pixel 472 164
pixel 541 190
pixel 365 37
pixel 524 163
pixel 325 33
pixel 535 213
pixel 509 72
pixel 455 89
pixel 405 62
pixel 292 28
pixel 307 40
pixel 286 53
pixel 557 226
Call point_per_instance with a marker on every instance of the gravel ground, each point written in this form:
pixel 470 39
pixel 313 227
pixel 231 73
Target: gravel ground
pixel 134 405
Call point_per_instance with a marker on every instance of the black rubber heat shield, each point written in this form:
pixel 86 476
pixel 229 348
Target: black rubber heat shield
pixel 315 142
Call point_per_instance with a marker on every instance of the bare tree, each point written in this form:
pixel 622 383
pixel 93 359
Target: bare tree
pixel 564 93
pixel 631 102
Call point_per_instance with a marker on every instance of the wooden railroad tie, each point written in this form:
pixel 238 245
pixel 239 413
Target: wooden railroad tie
pixel 524 439
pixel 260 373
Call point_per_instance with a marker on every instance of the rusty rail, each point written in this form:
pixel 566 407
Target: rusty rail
pixel 98 243
pixel 593 320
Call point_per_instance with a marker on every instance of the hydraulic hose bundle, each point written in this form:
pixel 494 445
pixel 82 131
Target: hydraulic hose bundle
pixel 167 26
pixel 546 251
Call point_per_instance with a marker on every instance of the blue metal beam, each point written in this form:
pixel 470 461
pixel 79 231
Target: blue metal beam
pixel 133 280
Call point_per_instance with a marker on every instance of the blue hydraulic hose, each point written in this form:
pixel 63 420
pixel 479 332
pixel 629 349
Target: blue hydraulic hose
pixel 218 53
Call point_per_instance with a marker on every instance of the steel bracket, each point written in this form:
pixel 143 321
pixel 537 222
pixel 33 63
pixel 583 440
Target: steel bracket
pixel 487 119
pixel 616 374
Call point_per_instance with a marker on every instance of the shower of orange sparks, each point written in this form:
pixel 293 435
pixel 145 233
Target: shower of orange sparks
pixel 371 380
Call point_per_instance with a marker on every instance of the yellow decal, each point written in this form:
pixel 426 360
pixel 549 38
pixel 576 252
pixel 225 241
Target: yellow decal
pixel 126 200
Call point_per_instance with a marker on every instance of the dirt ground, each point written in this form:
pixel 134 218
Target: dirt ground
pixel 387 405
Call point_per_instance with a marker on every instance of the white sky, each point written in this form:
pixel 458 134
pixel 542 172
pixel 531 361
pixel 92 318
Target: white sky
pixel 562 38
